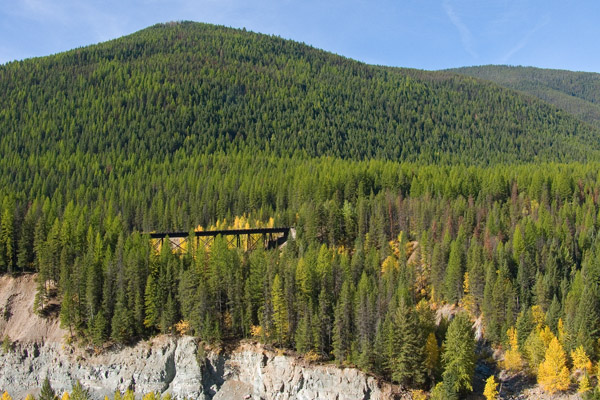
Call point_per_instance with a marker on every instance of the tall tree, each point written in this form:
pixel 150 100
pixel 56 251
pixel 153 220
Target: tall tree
pixel 459 354
pixel 553 374
pixel 280 312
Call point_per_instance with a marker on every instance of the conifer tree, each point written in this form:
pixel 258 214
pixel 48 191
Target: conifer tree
pixel 280 312
pixel 459 354
pixel 455 273
pixel 432 356
pixel 7 239
pixel 343 324
pixel 303 337
pixel 407 363
pixel 99 328
pixel 121 324
pixel 581 362
pixel 584 384
pixel 152 309
pixel 512 357
pixel 79 392
pixel 47 393
pixel 553 374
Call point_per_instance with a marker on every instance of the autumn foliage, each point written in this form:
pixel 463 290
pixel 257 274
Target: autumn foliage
pixel 553 374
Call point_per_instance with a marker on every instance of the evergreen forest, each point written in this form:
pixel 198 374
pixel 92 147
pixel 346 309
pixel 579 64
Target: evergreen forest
pixel 577 93
pixel 435 213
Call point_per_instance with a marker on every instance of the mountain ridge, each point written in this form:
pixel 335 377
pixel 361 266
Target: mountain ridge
pixel 575 92
pixel 199 87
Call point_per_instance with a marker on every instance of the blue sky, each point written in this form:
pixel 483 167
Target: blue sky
pixel 427 34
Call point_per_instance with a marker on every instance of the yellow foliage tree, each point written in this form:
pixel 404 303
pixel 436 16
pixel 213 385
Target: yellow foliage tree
pixel 183 327
pixel 65 396
pixel 389 264
pixel 6 396
pixel 538 316
pixel 584 384
pixel 547 336
pixel 562 333
pixel 553 374
pixel 490 391
pixel 129 395
pixel 418 395
pixel 468 301
pixel 29 397
pixel 432 354
pixel 512 358
pixel 581 362
pixel 151 396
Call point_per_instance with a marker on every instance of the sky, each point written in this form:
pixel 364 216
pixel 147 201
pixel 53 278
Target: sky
pixel 424 34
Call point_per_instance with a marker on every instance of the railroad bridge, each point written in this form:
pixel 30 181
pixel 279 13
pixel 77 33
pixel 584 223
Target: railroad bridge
pixel 246 239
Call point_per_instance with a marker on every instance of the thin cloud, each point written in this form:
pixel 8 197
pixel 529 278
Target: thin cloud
pixel 524 40
pixel 465 34
pixel 40 10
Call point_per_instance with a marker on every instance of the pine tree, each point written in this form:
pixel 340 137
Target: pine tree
pixel 587 320
pixel 553 374
pixel 535 349
pixel 455 273
pixel 79 392
pixel 7 245
pixel 407 363
pixel 169 315
pixel 99 328
pixel 280 312
pixel 459 354
pixel 342 324
pixel 47 393
pixel 151 307
pixel 303 337
pixel 122 329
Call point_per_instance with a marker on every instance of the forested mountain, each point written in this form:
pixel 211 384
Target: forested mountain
pixel 201 88
pixel 577 93
pixel 410 191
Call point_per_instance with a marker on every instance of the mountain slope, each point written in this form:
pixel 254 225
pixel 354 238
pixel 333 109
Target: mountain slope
pixel 201 88
pixel 577 93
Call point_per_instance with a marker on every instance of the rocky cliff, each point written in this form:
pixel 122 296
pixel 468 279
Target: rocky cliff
pixel 179 366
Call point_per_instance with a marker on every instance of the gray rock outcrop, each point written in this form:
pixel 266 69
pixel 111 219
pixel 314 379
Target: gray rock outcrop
pixel 168 364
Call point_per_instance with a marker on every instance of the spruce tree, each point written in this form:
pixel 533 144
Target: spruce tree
pixel 459 354
pixel 343 324
pixel 454 273
pixel 280 312
pixel 408 361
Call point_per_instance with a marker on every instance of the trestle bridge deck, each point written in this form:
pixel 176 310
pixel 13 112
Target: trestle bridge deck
pixel 247 239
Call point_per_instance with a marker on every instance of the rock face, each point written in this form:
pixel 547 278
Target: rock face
pixel 167 364
pixel 163 364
